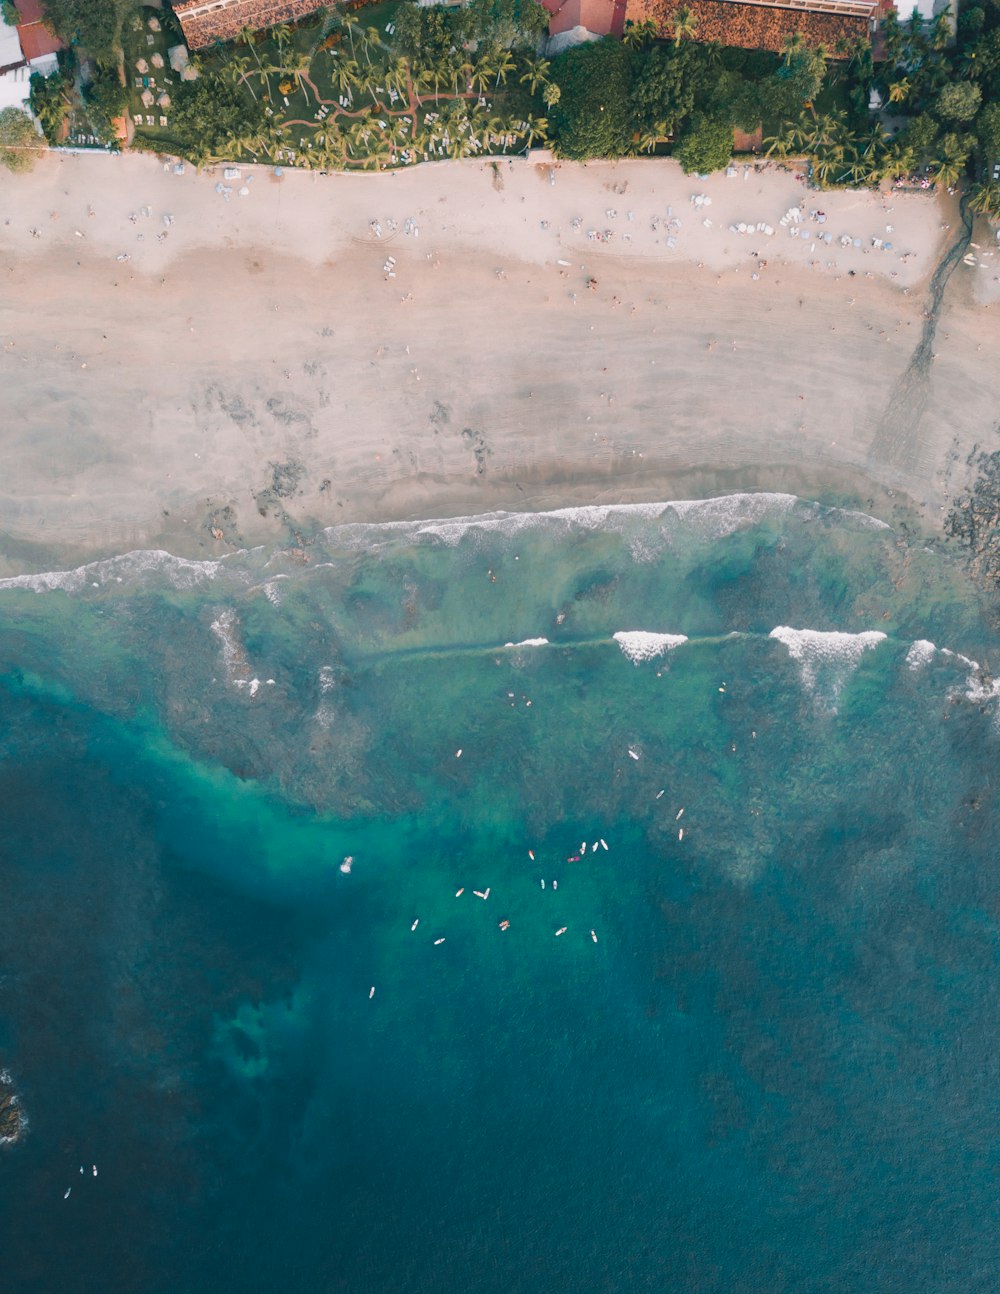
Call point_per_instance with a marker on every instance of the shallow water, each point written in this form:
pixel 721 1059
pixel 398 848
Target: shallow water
pixel 760 1056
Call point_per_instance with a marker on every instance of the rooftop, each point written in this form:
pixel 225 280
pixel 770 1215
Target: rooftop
pixel 206 21
pixel 756 25
pixel 602 17
pixel 37 39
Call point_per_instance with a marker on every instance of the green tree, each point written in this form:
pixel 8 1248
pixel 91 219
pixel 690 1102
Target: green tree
pixel 49 103
pixel 506 24
pixel 19 141
pixel 988 138
pixel 638 35
pixel 664 91
pixel 106 99
pixel 959 101
pixel 593 117
pixel 920 137
pixel 208 113
pixel 803 71
pixel 94 24
pixel 705 146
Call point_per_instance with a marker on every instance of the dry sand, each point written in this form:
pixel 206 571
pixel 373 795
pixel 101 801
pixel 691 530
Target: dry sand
pixel 260 359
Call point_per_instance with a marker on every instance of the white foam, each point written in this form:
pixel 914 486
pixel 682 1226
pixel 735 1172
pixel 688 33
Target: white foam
pixel 640 645
pixel 530 642
pixel 179 572
pixel 710 518
pixel 233 657
pixel 826 660
pixel 980 687
pixel 921 654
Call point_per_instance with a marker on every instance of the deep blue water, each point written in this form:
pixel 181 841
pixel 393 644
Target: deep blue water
pixel 775 1068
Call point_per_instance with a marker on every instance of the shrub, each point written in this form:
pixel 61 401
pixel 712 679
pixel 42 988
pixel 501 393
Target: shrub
pixel 593 116
pixel 707 145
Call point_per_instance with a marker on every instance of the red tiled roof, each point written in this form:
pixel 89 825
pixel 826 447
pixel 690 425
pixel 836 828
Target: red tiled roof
pixel 36 39
pixel 752 26
pixel 602 17
pixel 206 21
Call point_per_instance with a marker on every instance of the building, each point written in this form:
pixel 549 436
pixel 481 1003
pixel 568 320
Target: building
pixel 206 21
pixel 39 44
pixel 573 21
pixel 766 24
pixel 25 49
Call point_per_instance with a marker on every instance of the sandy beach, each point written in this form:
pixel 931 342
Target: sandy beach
pixel 180 362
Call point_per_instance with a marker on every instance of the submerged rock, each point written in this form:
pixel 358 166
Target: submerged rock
pixel 975 521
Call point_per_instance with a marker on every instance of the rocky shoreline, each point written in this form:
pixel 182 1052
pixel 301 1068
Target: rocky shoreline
pixel 975 522
pixel 11 1115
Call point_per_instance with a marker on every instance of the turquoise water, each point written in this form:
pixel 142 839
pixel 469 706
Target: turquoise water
pixel 760 1057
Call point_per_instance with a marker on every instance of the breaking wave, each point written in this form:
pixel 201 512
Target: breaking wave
pixel 180 573
pixel 706 518
pixel 921 653
pixel 641 645
pixel 826 659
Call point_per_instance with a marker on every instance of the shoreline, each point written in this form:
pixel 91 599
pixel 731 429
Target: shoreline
pixel 221 381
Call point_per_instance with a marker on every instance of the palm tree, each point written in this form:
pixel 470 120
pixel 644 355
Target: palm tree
pixel 464 72
pixel 430 77
pixel 551 95
pixel 396 75
pixel 984 199
pixel 282 35
pixel 638 35
pixel 651 136
pixel 371 38
pixel 248 37
pixel 898 160
pixel 297 66
pixel 380 154
pixel 893 36
pixel 940 32
pixel 947 170
pixel 684 23
pixel 793 42
pixel 536 73
pixel 899 91
pixel 781 145
pixel 483 74
pixel 535 128
pixel 346 75
pixel 349 22
pixel 504 66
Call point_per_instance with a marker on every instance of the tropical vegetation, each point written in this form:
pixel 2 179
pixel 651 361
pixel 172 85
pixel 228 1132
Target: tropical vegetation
pixel 391 84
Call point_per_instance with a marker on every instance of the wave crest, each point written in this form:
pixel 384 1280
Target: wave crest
pixel 641 645
pixel 826 659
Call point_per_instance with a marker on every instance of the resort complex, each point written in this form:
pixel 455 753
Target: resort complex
pixel 853 93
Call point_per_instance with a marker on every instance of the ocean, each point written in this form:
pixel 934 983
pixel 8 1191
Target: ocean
pixel 600 900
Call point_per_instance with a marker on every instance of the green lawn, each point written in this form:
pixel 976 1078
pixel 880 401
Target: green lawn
pixel 372 130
